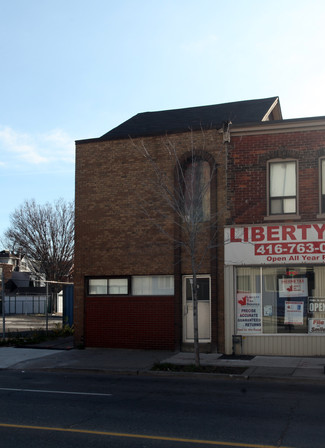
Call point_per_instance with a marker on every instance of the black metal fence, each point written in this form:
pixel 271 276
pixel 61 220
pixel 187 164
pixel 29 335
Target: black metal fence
pixel 27 323
pixel 28 313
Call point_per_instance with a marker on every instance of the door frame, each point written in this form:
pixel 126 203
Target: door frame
pixel 185 313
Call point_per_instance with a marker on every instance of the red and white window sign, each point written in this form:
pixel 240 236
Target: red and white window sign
pixel 275 244
pixel 316 325
pixel 293 287
pixel 249 319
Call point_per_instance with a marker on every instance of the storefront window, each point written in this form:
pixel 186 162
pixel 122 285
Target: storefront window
pixel 280 300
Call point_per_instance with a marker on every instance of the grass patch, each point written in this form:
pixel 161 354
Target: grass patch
pixel 168 367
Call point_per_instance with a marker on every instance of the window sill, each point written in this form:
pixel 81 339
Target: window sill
pixel 320 216
pixel 285 217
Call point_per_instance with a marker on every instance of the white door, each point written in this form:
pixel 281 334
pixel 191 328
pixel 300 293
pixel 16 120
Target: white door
pixel 204 313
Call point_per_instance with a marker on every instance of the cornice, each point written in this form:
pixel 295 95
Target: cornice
pixel 278 127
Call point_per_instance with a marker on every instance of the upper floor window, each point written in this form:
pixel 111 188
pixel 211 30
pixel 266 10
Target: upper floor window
pixel 197 179
pixel 282 187
pixel 322 168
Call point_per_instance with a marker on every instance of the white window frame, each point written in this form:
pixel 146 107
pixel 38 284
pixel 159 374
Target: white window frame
pixel 106 281
pixel 282 198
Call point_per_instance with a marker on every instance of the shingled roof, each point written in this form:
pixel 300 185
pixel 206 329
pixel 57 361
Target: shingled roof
pixel 194 118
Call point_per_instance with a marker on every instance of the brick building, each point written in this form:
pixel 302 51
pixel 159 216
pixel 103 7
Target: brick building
pixel 267 200
pixel 275 241
pixel 130 279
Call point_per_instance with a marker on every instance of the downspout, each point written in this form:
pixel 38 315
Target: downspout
pixel 226 140
pixel 225 130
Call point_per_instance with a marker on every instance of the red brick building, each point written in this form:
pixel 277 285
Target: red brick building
pixel 275 243
pixel 131 280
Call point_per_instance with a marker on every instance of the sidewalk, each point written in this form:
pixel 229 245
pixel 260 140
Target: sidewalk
pixel 60 355
pixel 264 367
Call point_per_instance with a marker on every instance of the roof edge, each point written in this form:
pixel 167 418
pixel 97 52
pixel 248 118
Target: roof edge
pixel 275 109
pixel 275 106
pixel 279 126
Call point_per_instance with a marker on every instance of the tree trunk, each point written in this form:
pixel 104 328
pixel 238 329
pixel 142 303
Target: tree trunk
pixel 195 321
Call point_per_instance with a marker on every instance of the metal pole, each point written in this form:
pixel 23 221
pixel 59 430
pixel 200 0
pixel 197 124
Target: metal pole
pixel 3 305
pixel 47 304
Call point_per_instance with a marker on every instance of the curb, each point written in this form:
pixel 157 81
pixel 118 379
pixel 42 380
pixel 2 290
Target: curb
pixel 161 374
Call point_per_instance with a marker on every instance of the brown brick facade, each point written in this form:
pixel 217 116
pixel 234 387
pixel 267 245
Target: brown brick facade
pixel 115 238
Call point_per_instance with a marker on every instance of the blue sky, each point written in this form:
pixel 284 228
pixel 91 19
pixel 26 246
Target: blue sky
pixel 74 69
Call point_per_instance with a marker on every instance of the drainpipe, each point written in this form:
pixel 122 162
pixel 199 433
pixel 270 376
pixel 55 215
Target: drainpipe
pixel 226 140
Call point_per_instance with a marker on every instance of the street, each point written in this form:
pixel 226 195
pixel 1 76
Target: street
pixel 60 409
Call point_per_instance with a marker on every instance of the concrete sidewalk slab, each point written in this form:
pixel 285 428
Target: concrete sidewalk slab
pixel 141 361
pixel 266 367
pixel 10 356
pixel 100 360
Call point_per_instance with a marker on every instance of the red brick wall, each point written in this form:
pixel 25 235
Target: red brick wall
pixel 131 322
pixel 247 172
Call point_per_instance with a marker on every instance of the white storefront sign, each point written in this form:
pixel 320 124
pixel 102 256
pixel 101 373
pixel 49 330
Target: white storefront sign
pixel 275 244
pixel 294 313
pixel 316 325
pixel 316 304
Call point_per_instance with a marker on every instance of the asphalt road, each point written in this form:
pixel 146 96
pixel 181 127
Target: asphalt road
pixel 52 409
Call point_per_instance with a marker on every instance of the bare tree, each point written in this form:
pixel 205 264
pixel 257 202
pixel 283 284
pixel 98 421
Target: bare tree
pixel 186 197
pixel 45 234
